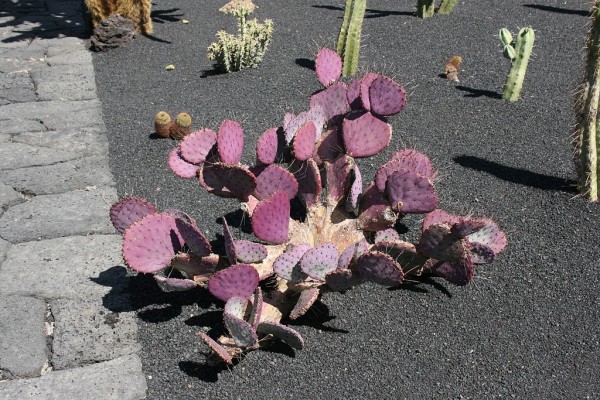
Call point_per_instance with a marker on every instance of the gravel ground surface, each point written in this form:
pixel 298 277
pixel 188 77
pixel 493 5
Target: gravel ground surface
pixel 527 326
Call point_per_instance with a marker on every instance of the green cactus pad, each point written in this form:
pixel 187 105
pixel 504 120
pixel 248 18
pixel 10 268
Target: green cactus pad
pixel 283 333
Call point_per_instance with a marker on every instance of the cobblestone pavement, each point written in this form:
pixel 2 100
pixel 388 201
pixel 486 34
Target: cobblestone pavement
pixel 60 258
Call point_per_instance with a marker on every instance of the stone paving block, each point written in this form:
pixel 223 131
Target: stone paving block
pixel 32 52
pixel 4 245
pixel 63 46
pixel 85 332
pixel 60 178
pixel 13 40
pixel 23 349
pixel 17 87
pixel 119 379
pixel 5 137
pixel 75 267
pixel 85 142
pixel 67 82
pixel 81 56
pixel 14 126
pixel 8 197
pixel 57 115
pixel 57 215
pixel 19 155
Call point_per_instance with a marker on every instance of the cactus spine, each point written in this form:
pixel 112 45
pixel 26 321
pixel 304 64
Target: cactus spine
pixel 348 44
pixel 425 8
pixel 446 6
pixel 586 133
pixel 518 52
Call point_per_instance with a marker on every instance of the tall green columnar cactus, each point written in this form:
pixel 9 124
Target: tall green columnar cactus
pixel 518 52
pixel 348 44
pixel 446 6
pixel 425 8
pixel 586 135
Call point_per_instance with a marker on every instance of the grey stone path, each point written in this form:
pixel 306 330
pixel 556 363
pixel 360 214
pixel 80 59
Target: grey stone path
pixel 57 246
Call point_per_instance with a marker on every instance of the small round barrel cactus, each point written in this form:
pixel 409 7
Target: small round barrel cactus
pixel 181 127
pixel 162 124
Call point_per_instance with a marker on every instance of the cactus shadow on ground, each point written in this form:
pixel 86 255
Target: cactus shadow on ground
pixel 306 63
pixel 140 293
pixel 559 10
pixel 471 92
pixel 370 12
pixel 517 175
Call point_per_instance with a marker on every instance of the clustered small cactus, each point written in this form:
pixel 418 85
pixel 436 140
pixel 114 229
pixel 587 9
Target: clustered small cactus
pixel 247 48
pixel 177 129
pixel 518 51
pixel 426 8
pixel 347 236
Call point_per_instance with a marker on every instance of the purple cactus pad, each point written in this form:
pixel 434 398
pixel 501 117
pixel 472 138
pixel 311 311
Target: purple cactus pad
pixel 333 101
pixel 238 280
pixel 365 135
pixel 375 213
pixel 180 166
pixel 173 212
pixel 438 242
pixel 196 146
pixel 287 265
pixel 292 123
pixel 328 66
pixel 342 279
pixel 329 147
pixel 490 235
pixel 380 268
pixel 271 217
pixel 320 261
pixel 266 147
pixel 150 243
pixel 283 333
pixel 415 161
pixel 459 272
pixel 250 252
pixel 411 193
pixel 353 94
pixel 228 242
pixel 174 284
pixel 193 238
pixel 365 83
pixel 304 141
pixel 386 97
pixel 305 301
pixel 387 235
pixel 129 210
pixel 236 306
pixel 227 180
pixel 355 193
pixel 230 142
pixel 339 177
pixel 309 182
pixel 257 307
pixel 243 333
pixel 216 347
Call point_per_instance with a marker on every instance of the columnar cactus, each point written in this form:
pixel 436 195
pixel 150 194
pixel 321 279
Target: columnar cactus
pixel 586 135
pixel 446 6
pixel 247 48
pixel 425 8
pixel 348 45
pixel 518 51
pixel 347 236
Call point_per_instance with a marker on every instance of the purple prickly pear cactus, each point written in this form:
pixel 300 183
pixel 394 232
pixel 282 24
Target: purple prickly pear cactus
pixel 196 146
pixel 365 83
pixel 282 332
pixel 410 193
pixel 333 101
pixel 386 97
pixel 239 280
pixel 266 147
pixel 270 219
pixel 328 66
pixel 380 268
pixel 129 210
pixel 305 301
pixel 180 166
pixel 304 141
pixel 287 265
pixel 319 261
pixel 365 135
pixel 353 94
pixel 230 142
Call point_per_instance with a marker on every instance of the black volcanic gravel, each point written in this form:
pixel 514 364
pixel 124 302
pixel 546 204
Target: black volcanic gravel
pixel 527 327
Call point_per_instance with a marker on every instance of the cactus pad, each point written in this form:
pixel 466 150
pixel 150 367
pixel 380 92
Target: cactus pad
pixel 266 147
pixel 355 193
pixel 490 235
pixel 287 264
pixel 227 180
pixel 230 142
pixel 309 182
pixel 283 333
pixel 319 261
pixel 270 219
pixel 365 135
pixel 174 284
pixel 386 97
pixel 333 101
pixel 353 94
pixel 387 235
pixel 338 178
pixel 305 301
pixel 228 242
pixel 257 307
pixel 375 212
pixel 197 145
pixel 180 166
pixel 238 280
pixel 129 210
pixel 342 279
pixel 438 242
pixel 216 347
pixel 365 83
pixel 304 141
pixel 380 268
pixel 459 272
pixel 250 252
pixel 193 238
pixel 411 193
pixel 173 212
pixel 243 333
pixel 329 147
pixel 150 243
pixel 236 306
pixel 292 123
pixel 415 161
pixel 328 66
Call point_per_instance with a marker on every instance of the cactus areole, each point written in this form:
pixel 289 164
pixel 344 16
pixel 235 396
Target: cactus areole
pixel 347 236
pixel 586 134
